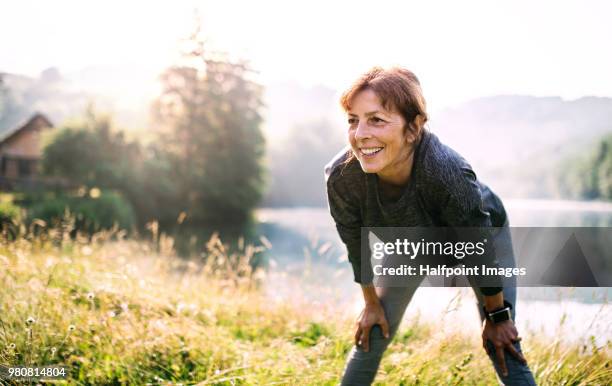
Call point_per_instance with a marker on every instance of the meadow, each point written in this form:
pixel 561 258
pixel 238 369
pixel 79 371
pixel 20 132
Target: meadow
pixel 122 310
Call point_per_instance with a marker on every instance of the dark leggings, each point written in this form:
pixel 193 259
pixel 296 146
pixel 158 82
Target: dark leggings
pixel 361 366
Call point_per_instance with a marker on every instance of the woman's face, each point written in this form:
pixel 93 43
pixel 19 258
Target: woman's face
pixel 377 136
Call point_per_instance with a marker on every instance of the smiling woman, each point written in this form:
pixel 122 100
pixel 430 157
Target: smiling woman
pixel 398 174
pixel 382 136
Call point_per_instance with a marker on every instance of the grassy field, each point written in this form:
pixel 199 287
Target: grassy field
pixel 129 312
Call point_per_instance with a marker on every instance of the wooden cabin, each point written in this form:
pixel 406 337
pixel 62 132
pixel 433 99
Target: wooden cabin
pixel 21 152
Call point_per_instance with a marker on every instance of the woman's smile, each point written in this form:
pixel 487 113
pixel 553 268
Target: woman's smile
pixel 370 152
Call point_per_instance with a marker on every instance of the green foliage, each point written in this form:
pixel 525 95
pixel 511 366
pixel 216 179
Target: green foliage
pixel 90 214
pixel 11 216
pixel 310 337
pixel 590 176
pixel 9 212
pixel 115 313
pixel 205 167
pixel 211 137
pixel 91 153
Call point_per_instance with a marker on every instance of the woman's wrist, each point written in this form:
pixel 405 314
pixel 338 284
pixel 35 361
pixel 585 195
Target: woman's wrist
pixel 494 302
pixel 369 294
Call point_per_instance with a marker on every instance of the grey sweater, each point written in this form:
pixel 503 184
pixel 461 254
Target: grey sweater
pixel 442 191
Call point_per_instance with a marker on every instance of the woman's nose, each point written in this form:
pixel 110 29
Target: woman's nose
pixel 363 131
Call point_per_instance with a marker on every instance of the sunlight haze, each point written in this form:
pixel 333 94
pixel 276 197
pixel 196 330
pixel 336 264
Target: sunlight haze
pixel 459 50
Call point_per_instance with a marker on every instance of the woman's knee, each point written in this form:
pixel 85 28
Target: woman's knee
pixel 378 343
pixel 518 373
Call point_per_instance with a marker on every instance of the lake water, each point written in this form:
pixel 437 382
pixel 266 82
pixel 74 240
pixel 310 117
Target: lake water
pixel 307 259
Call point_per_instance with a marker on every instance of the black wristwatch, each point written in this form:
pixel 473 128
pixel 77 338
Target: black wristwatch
pixel 499 315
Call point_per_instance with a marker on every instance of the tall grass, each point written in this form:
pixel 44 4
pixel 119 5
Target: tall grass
pixel 124 311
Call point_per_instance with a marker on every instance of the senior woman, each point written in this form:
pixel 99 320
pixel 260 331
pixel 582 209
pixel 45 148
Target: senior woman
pixel 397 173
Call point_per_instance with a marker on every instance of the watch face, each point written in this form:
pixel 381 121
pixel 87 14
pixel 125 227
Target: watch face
pixel 500 316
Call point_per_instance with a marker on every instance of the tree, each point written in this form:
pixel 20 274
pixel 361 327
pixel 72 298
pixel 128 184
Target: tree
pixel 90 153
pixel 209 113
pixel 588 176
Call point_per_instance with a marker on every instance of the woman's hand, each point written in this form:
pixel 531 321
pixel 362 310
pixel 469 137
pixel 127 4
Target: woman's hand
pixel 372 314
pixel 502 335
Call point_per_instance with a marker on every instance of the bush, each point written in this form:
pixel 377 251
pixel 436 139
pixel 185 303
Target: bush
pixel 90 214
pixel 10 219
pixel 9 213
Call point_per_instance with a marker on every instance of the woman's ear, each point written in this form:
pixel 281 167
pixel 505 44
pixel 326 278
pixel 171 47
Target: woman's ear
pixel 414 128
pixel 419 122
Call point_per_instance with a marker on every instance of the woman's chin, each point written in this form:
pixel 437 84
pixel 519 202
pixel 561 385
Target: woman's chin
pixel 369 167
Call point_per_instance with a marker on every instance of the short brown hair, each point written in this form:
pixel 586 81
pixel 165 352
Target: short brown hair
pixel 398 89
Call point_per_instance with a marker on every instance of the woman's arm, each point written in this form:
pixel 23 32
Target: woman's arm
pixel 502 335
pixel 494 302
pixel 373 313
pixel 369 294
pixel 454 195
pixel 345 210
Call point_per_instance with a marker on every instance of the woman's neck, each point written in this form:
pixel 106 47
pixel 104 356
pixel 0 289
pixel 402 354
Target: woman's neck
pixel 398 174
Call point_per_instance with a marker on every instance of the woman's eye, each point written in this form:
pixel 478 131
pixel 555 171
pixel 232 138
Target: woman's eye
pixel 352 121
pixel 377 120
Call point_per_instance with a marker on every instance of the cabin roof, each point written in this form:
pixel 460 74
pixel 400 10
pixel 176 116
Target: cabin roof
pixel 4 137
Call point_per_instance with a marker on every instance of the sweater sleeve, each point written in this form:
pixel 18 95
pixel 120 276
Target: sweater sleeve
pixel 344 209
pixel 460 204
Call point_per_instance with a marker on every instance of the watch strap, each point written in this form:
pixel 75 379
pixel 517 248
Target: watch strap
pixel 499 315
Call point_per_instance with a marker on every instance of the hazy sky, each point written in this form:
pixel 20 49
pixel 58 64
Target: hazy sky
pixel 459 49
